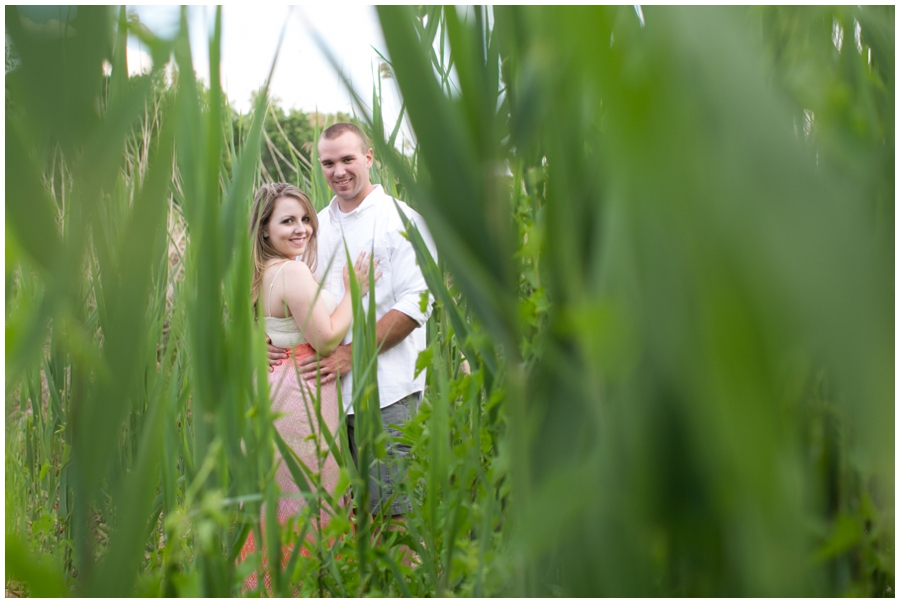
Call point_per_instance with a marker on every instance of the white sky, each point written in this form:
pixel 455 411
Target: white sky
pixel 303 78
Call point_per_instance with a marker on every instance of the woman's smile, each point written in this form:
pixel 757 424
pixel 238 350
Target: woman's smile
pixel 299 241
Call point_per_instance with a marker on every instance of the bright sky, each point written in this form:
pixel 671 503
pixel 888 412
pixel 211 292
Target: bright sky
pixel 303 78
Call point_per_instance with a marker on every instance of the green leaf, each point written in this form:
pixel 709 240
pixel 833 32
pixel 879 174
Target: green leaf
pixel 423 360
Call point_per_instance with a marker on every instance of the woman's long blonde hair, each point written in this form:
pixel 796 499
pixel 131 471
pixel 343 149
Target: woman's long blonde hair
pixel 261 249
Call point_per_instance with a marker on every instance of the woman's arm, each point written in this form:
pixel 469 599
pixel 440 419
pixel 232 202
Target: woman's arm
pixel 322 330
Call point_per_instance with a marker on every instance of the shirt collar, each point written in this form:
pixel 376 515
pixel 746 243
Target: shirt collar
pixel 367 204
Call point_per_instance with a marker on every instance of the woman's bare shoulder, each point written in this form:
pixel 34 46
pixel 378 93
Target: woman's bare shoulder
pixel 296 268
pixel 298 279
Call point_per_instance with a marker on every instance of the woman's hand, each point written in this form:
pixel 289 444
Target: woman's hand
pixel 361 269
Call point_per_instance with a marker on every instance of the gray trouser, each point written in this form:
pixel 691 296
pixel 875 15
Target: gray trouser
pixel 385 477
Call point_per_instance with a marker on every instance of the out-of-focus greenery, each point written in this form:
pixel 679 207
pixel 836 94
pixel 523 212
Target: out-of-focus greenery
pixel 660 359
pixel 694 209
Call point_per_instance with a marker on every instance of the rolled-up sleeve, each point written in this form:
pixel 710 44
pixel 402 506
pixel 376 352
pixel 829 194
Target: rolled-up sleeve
pixel 406 275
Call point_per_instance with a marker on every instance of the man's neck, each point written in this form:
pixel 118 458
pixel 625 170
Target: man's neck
pixel 347 206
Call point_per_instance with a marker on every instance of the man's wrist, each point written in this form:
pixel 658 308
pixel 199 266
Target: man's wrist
pixel 392 328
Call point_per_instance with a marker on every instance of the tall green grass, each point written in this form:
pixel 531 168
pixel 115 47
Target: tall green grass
pixel 705 265
pixel 137 434
pixel 658 361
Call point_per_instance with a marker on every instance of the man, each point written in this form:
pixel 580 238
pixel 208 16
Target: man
pixel 363 215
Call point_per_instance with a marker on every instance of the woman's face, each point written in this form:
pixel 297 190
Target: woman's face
pixel 289 228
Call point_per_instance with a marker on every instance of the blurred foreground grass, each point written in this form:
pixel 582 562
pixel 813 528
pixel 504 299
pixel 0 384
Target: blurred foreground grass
pixel 666 256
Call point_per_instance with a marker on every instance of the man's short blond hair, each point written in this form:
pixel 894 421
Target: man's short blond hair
pixel 336 130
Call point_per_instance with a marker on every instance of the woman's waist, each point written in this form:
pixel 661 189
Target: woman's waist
pixel 301 351
pixel 290 365
pixel 297 353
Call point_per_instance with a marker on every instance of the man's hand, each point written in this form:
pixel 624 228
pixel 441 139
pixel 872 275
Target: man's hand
pixel 276 355
pixel 329 366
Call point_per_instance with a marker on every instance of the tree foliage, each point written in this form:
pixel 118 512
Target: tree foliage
pixel 289 137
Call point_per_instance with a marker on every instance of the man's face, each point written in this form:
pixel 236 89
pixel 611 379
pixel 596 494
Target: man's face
pixel 345 165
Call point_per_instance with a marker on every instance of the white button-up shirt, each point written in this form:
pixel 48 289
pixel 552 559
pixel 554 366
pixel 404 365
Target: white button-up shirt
pixel 376 227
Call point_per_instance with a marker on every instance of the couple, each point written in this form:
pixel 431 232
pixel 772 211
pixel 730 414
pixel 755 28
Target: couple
pixel 303 314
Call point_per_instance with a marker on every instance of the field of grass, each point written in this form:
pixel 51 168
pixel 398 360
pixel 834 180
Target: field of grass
pixel 660 361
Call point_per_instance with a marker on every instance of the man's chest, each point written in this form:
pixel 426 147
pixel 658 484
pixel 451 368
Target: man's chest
pixel 356 235
pixel 339 239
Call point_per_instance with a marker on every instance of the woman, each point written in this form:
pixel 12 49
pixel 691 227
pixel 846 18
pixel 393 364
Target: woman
pixel 303 318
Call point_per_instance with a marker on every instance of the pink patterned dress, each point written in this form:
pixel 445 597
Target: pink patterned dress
pixel 294 404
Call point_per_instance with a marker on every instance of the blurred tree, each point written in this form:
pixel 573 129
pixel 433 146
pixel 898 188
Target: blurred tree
pixel 289 136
